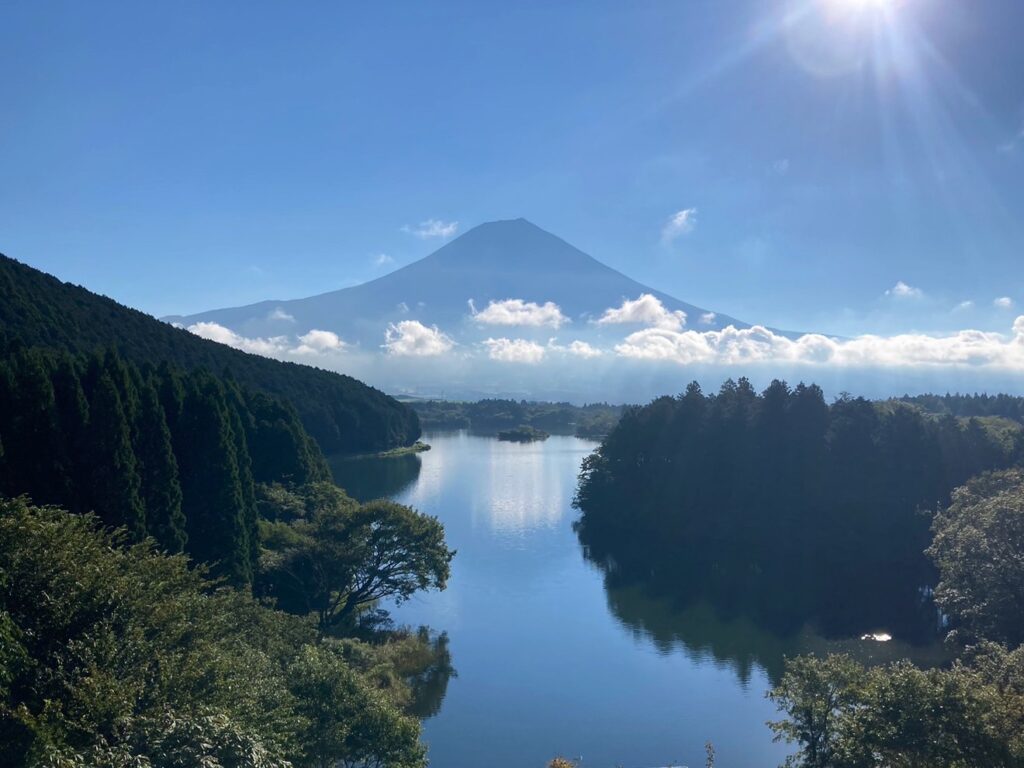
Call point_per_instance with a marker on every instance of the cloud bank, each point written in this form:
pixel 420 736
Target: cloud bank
pixel 732 346
pixel 519 312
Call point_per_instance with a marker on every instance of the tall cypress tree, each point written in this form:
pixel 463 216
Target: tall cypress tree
pixel 73 417
pixel 214 501
pixel 40 464
pixel 114 475
pixel 158 469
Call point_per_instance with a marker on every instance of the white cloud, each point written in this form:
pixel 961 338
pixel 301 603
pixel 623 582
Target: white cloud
pixel 414 339
pixel 519 312
pixel 1003 302
pixel 584 350
pixel 383 260
pixel 645 310
pixel 730 346
pixel 432 228
pixel 679 223
pixel 403 308
pixel 781 166
pixel 708 318
pixel 280 314
pixel 903 291
pixel 514 350
pixel 317 342
pixel 964 306
pixel 269 347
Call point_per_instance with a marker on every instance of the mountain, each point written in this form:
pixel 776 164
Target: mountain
pixel 497 261
pixel 341 413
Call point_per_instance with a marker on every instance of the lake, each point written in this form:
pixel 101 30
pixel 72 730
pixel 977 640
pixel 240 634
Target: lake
pixel 550 662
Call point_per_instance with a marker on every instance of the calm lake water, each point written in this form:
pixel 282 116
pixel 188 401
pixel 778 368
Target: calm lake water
pixel 549 662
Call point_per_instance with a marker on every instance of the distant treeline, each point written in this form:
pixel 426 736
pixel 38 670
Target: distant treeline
pixel 161 452
pixel 341 413
pixel 737 490
pixel 1004 406
pixel 593 420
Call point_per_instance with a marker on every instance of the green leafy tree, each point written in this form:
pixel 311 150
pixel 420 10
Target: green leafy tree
pixel 343 557
pixel 978 548
pixel 115 656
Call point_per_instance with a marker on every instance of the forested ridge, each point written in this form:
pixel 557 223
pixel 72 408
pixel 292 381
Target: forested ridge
pixel 341 413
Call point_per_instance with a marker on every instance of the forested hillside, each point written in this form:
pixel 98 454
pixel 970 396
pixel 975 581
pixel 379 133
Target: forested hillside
pixel 738 490
pixel 342 414
pixel 157 451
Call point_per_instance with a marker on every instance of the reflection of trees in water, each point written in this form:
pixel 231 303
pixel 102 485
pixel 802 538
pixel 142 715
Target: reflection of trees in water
pixel 429 684
pixel 744 619
pixel 375 477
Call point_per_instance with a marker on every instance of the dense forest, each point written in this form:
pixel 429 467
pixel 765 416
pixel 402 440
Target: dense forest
pixel 850 516
pixel 341 413
pixel 979 405
pixel 593 420
pixel 157 451
pixel 740 492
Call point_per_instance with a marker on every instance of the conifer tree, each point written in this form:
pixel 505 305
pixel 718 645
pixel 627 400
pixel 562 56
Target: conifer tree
pixel 73 418
pixel 161 490
pixel 39 465
pixel 113 472
pixel 214 501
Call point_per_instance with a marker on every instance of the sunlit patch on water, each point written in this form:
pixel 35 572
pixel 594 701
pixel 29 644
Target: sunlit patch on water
pixel 878 637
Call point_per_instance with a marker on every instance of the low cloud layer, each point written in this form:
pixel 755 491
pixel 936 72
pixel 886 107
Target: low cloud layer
pixel 664 340
pixel 732 346
pixel 411 338
pixel 273 346
pixel 645 310
pixel 516 312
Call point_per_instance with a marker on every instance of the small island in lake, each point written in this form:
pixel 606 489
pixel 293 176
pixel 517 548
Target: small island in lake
pixel 523 434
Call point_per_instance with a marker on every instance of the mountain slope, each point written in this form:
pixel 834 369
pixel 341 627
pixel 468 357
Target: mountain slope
pixel 500 260
pixel 341 413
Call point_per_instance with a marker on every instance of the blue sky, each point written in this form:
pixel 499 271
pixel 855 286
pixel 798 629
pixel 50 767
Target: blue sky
pixel 185 156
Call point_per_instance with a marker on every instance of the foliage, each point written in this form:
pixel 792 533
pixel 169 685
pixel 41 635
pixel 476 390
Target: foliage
pixel 979 551
pixel 339 557
pixel 845 716
pixel 341 413
pixel 115 655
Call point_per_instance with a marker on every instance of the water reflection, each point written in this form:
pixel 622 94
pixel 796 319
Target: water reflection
pixel 563 653
pixel 370 477
pixel 743 620
pixel 737 642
